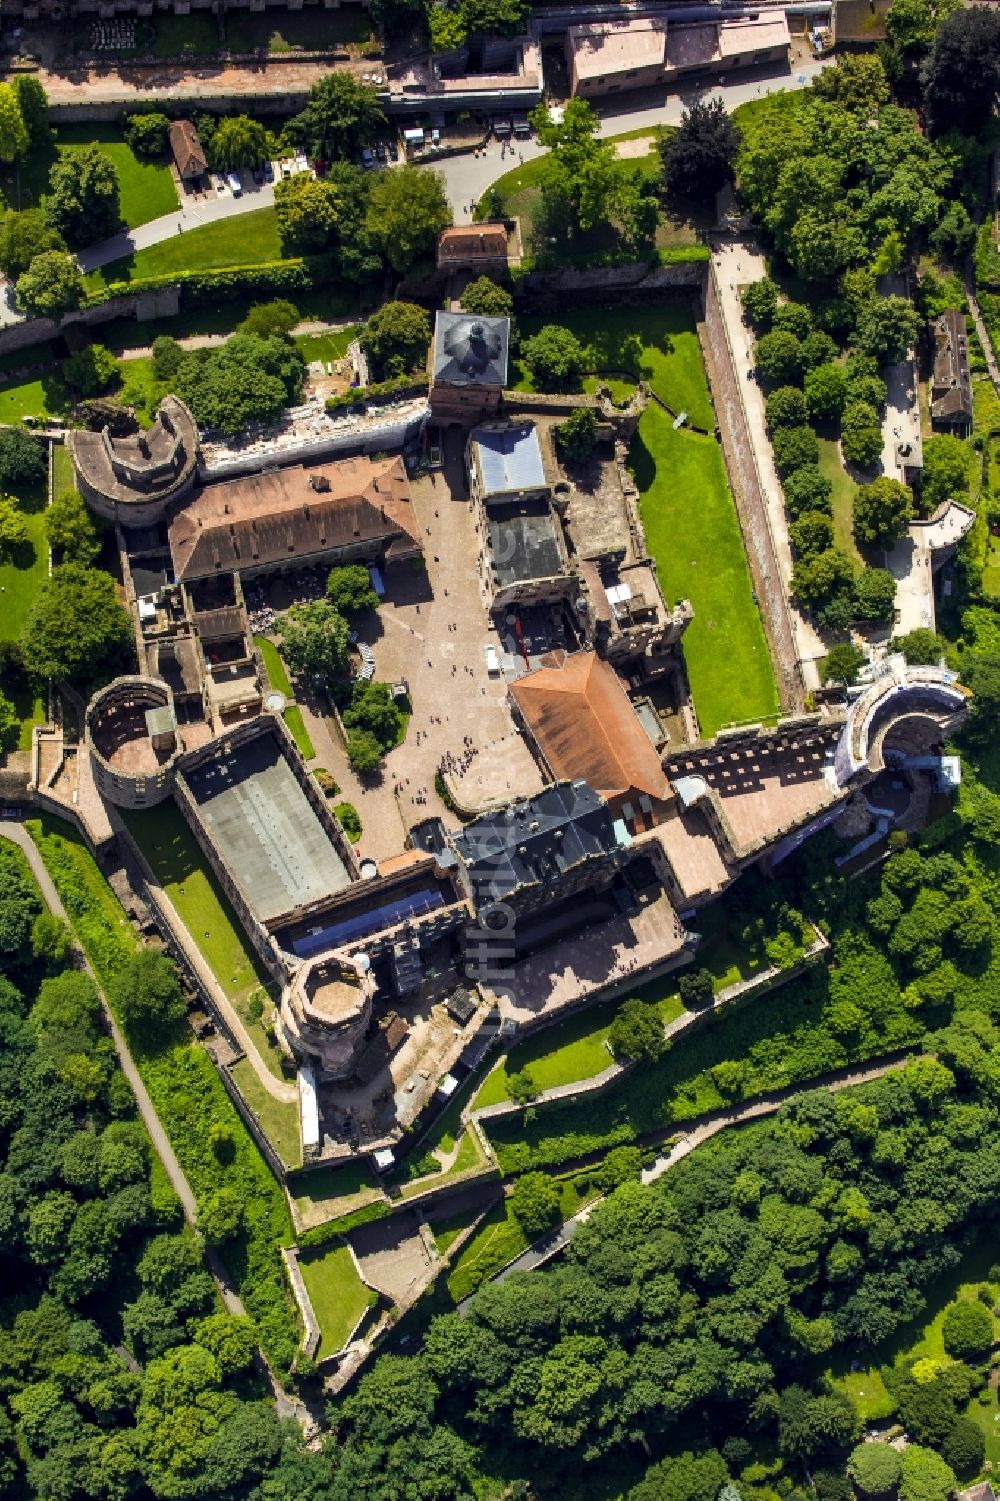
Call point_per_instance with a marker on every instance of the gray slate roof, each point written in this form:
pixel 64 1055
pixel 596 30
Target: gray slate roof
pixel 470 350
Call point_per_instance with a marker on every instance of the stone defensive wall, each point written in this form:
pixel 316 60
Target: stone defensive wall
pixel 744 478
pixel 638 276
pixel 690 1021
pixel 924 692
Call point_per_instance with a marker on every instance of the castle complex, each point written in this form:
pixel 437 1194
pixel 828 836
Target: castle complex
pixel 581 868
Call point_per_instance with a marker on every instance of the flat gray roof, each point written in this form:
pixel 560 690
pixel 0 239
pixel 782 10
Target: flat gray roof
pixel 265 828
pixel 524 545
pixel 470 350
pixel 509 458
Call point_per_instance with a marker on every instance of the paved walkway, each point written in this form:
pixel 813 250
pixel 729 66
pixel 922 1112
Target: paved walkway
pixel 550 1245
pixel 288 1406
pixel 18 835
pixel 211 341
pixel 466 177
pixel 193 214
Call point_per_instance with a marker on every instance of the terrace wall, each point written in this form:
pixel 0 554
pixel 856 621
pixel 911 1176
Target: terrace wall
pixel 747 493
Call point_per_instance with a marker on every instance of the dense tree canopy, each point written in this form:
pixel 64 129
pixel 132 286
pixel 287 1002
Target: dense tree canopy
pixel 698 156
pixel 238 141
pixel 882 511
pixel 314 639
pixel 51 286
pixel 70 529
pixel 555 357
pixel 23 236
pixel 962 75
pixel 76 628
pixel 342 114
pixel 407 209
pixel 245 379
pixel 395 338
pixel 83 202
pixel 827 185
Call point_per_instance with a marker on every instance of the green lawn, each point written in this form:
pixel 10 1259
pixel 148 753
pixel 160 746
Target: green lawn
pixel 140 388
pixel 577 1048
pixel 277 675
pixel 329 1192
pixel 172 851
pixel 332 346
pixel 658 345
pixel 844 490
pixel 21 577
pixel 572 1050
pixel 694 534
pixel 293 718
pixel 247 239
pixel 337 1293
pixel 923 1339
pixel 194 35
pixel 147 189
pixel 521 192
pixel 279 1119
pixel 498 1240
pixel 63 474
pixel 279 30
pixel 45 396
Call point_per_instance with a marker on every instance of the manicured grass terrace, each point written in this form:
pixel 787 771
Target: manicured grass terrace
pixel 21 577
pixel 337 1293
pixel 693 533
pixel 147 188
pixel 248 239
pixel 844 491
pixel 658 344
pixel 278 1118
pixel 172 851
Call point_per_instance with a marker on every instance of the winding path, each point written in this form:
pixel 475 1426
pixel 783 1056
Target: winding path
pixel 708 1126
pixel 287 1406
pixel 466 177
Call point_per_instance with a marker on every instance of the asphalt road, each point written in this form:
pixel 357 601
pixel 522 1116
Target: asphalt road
pixel 466 177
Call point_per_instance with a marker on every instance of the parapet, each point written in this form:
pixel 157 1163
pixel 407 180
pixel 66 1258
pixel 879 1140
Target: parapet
pixel 131 735
pixel 132 480
pixel 326 1010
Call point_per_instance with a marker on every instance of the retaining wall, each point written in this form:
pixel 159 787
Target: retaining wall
pixel 751 506
pixel 690 1021
pixel 636 276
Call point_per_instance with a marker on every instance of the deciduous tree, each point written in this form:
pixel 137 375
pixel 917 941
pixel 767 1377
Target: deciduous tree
pixel 84 196
pixel 51 286
pixel 698 156
pixel 76 627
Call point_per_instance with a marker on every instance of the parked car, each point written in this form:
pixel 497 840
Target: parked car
pixel 268 172
pixel 492 662
pixel 394 151
pixel 234 184
pixel 522 130
pixel 367 158
pixel 381 153
pixel 258 175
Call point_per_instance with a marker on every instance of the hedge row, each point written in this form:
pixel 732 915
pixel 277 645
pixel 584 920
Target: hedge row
pixel 319 1235
pixel 987 258
pixel 273 277
pixel 386 390
pixel 189 1098
pixel 675 255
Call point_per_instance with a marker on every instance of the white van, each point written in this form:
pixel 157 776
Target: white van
pixel 235 186
pixel 492 662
